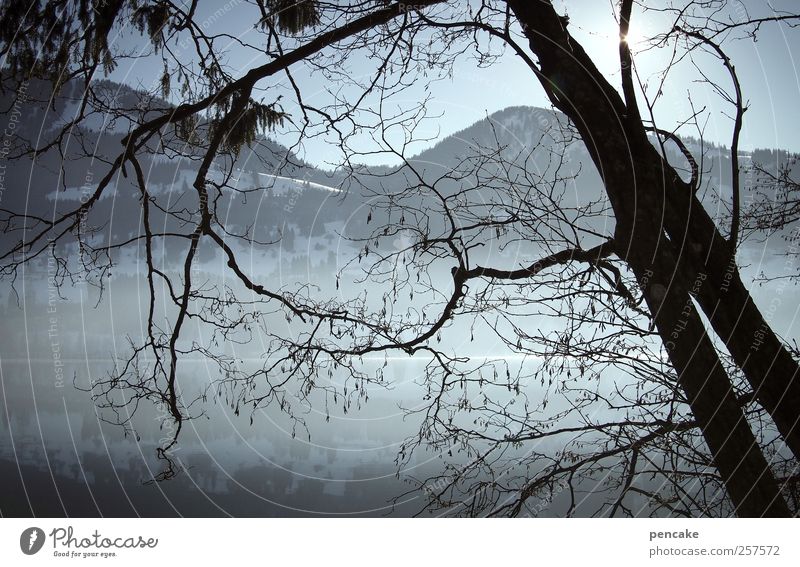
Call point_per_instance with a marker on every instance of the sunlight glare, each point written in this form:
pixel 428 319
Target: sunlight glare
pixel 633 37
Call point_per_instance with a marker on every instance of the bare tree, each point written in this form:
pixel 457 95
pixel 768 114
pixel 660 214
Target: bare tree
pixel 646 277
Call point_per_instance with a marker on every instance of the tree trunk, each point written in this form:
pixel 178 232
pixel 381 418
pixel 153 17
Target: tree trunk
pixel 637 185
pixel 735 453
pixel 769 368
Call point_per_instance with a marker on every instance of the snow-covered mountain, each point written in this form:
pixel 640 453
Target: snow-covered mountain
pixel 276 197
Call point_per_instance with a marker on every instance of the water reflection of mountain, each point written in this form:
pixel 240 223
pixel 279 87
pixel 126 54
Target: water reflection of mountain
pixel 118 493
pixel 57 458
